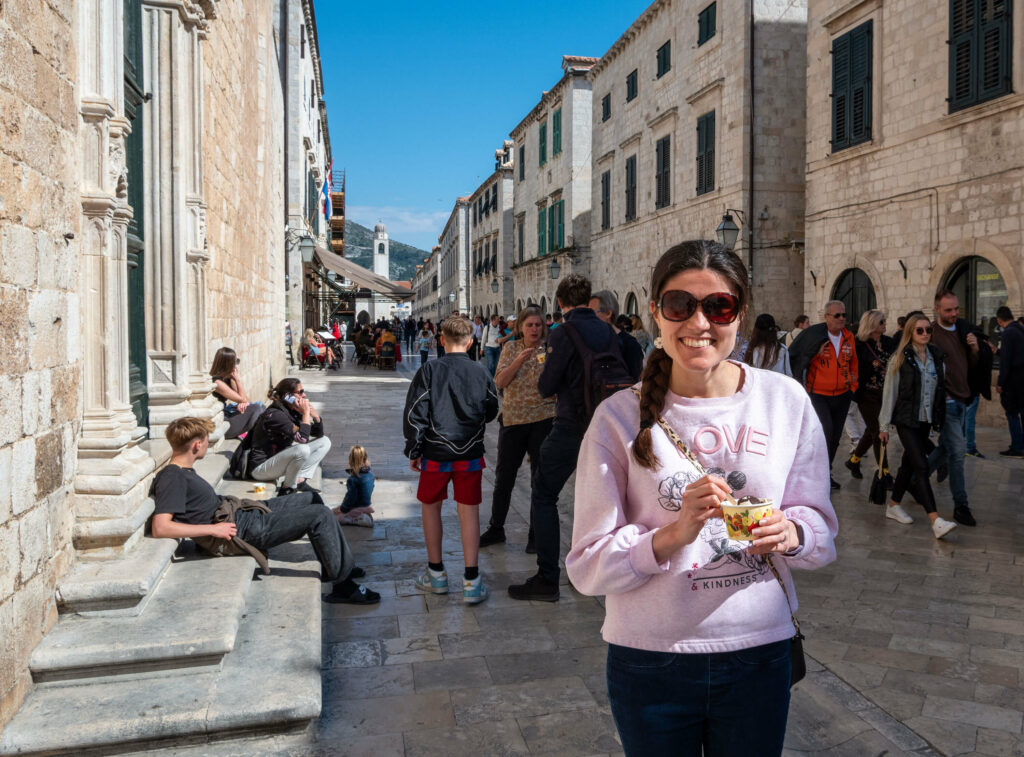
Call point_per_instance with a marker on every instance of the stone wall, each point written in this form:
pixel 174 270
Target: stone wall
pixel 39 330
pixel 930 187
pixel 244 185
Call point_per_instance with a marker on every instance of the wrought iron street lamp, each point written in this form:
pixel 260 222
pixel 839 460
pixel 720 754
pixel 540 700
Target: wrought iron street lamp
pixel 451 297
pixel 494 285
pixel 554 269
pixel 306 248
pixel 727 230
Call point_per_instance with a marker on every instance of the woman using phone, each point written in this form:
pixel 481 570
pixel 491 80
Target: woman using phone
pixel 240 413
pixel 526 417
pixel 699 626
pixel 288 439
pixel 914 403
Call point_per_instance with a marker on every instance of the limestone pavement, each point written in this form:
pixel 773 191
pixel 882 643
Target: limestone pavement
pixel 915 646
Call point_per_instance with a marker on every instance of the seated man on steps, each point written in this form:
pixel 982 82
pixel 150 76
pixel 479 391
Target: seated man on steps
pixel 187 507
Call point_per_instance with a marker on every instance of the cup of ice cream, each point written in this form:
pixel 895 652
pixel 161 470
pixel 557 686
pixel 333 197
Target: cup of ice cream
pixel 745 515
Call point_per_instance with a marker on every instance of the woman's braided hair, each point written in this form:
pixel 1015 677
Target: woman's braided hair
pixel 687 256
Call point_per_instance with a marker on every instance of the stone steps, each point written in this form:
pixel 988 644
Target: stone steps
pixel 268 685
pixel 190 622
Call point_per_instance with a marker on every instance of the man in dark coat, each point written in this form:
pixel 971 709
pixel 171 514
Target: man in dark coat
pixel 968 374
pixel 1010 383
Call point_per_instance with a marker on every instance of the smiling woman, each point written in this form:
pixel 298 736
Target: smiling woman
pixel 648 531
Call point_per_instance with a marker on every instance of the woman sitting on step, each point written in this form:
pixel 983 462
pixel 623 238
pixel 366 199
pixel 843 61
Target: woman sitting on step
pixel 240 413
pixel 288 439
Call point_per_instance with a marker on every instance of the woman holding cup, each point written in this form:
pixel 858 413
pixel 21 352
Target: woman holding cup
pixel 699 626
pixel 526 417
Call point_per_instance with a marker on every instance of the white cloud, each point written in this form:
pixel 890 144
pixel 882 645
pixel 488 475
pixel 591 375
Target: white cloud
pixel 399 221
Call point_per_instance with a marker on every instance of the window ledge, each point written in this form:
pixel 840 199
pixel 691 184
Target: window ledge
pixel 856 151
pixel 982 110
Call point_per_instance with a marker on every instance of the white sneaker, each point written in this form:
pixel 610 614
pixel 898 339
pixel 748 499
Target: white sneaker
pixel 898 514
pixel 942 527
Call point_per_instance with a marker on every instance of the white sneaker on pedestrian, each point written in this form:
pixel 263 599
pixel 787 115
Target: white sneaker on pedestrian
pixel 473 591
pixel 942 527
pixel 898 514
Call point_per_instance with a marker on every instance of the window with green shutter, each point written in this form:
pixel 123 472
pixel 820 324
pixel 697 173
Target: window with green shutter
pixel 664 59
pixel 606 200
pixel 632 88
pixel 662 173
pixel 542 231
pixel 980 39
pixel 522 162
pixel 631 187
pixel 851 87
pixel 706 24
pixel 552 226
pixel 706 153
pixel 542 143
pixel 560 237
pixel 606 107
pixel 556 132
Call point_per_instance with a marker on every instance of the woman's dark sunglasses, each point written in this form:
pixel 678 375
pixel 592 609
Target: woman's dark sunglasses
pixel 721 308
pixel 922 330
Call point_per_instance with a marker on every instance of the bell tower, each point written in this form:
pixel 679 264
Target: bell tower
pixel 381 267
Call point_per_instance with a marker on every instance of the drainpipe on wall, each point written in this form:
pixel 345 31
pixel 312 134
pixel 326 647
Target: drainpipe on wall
pixel 751 155
pixel 284 90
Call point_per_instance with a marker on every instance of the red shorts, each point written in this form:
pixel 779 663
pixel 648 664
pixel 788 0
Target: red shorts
pixel 465 486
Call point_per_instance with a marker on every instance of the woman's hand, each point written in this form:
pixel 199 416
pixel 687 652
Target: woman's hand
pixel 242 406
pixel 776 533
pixel 701 501
pixel 884 436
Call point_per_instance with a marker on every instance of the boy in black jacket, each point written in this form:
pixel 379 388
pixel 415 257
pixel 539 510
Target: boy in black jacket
pixel 449 404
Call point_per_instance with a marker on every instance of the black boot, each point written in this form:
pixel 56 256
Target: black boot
pixel 854 468
pixel 492 536
pixel 535 587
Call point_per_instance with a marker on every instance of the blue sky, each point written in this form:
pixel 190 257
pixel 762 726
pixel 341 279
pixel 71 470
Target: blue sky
pixel 420 94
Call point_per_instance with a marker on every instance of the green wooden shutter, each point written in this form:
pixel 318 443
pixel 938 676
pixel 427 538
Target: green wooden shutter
pixel 994 34
pixel 552 230
pixel 556 132
pixel 840 92
pixel 706 153
pixel 542 234
pixel 851 87
pixel 606 199
pixel 542 143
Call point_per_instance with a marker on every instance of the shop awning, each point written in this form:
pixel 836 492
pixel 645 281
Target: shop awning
pixel 362 276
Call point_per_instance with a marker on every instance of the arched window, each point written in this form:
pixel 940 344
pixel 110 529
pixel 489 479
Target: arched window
pixel 981 289
pixel 854 289
pixel 380 248
pixel 631 305
pixel 543 305
pixel 519 306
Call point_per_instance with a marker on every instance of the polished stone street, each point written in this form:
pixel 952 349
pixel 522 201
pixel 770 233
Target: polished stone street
pixel 916 645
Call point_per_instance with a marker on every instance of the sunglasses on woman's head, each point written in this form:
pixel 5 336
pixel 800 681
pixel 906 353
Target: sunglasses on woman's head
pixel 721 308
pixel 922 330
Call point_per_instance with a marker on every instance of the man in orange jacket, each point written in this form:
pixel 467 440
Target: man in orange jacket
pixel 824 358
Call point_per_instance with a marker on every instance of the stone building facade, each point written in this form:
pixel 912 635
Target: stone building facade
pixel 698 108
pixel 921 187
pixel 129 255
pixel 424 283
pixel 452 261
pixel 492 237
pixel 552 192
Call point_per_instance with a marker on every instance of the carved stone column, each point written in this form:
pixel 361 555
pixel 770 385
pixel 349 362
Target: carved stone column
pixel 175 215
pixel 110 502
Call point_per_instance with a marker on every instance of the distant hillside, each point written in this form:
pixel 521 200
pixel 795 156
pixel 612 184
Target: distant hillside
pixel 359 249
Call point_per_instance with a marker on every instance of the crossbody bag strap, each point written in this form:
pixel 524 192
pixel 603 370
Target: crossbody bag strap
pixel 685 451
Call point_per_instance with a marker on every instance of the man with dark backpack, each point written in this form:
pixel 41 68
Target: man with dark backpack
pixel 584 365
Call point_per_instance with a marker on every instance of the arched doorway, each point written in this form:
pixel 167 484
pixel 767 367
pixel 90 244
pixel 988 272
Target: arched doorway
pixel 543 305
pixel 632 307
pixel 981 289
pixel 854 289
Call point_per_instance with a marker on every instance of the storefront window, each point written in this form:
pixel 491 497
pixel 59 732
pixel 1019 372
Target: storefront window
pixel 854 289
pixel 981 290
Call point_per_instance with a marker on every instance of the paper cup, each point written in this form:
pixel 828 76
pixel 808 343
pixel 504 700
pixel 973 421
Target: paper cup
pixel 739 519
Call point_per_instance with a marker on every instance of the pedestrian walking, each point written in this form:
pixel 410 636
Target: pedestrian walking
pixel 563 375
pixel 1010 383
pixel 478 334
pixel 606 305
pixel 764 350
pixel 824 360
pixel 874 348
pixel 425 341
pixel 699 627
pixel 525 419
pixel 492 332
pixel 914 403
pixel 449 404
pixel 968 373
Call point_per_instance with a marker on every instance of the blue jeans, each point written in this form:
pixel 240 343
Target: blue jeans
pixel 1015 421
pixel 952 448
pixel 687 705
pixel 972 414
pixel 492 354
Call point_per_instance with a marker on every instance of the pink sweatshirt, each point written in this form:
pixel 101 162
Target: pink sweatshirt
pixel 712 595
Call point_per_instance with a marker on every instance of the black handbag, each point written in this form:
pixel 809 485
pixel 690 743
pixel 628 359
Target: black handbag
pixel 882 481
pixel 796 644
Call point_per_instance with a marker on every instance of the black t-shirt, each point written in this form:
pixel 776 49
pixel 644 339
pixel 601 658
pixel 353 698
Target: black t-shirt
pixel 185 495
